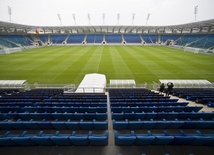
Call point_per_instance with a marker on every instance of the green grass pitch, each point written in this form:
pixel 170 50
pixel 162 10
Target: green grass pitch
pixel 69 64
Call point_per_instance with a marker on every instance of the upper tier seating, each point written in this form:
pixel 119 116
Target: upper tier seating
pixel 94 38
pixel 15 40
pixel 132 38
pixel 57 39
pixel 150 38
pixel 75 39
pixel 113 38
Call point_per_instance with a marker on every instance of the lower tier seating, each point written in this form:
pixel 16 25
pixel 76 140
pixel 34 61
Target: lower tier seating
pixel 57 139
pixel 53 125
pixel 163 124
pixel 164 138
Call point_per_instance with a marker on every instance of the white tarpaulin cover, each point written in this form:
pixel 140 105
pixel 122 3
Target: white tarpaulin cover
pixel 187 83
pixel 12 83
pixel 92 83
pixel 124 82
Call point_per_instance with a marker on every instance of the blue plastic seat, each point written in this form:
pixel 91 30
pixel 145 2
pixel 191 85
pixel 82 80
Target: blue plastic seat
pixel 79 139
pixel 98 139
pixel 102 109
pixel 90 116
pixel 140 115
pixel 175 124
pixel 36 116
pixel 57 115
pixel 135 124
pixel 68 116
pixel 86 125
pixel 130 115
pixel 101 116
pixel 58 125
pixel 23 140
pixel 144 139
pixel 162 139
pixel 162 124
pixel 98 125
pixel 72 125
pixel 43 139
pixel 201 140
pixel 148 124
pixel 61 139
pixel 93 109
pixel 17 125
pixel 4 125
pixel 44 124
pixel 79 116
pixel 151 115
pixel 25 116
pixel 124 139
pixel 32 125
pixel 5 140
pixel 181 139
pixel 120 125
pixel 117 116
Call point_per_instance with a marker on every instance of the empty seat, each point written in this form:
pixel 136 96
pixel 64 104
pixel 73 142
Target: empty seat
pixel 86 125
pixel 32 125
pixel 148 124
pixel 43 139
pixel 58 125
pixel 44 124
pixel 61 139
pixel 120 125
pixel 72 125
pixel 98 125
pixel 23 140
pixel 124 139
pixel 98 139
pixel 79 139
pixel 135 124
pixel 144 139
pixel 162 124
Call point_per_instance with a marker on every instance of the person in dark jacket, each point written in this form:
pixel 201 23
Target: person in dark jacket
pixel 170 86
pixel 161 89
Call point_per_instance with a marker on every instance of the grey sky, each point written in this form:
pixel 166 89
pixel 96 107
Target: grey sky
pixel 163 12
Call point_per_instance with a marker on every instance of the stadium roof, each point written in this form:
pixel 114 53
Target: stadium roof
pixel 194 27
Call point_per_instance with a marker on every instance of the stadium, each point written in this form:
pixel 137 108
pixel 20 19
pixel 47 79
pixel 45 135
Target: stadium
pixel 95 90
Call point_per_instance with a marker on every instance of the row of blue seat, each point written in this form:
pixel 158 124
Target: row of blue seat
pixel 164 124
pixel 161 115
pixel 156 108
pixel 56 139
pixel 52 116
pixel 171 103
pixel 58 104
pixel 58 125
pixel 51 109
pixel 164 139
pixel 142 100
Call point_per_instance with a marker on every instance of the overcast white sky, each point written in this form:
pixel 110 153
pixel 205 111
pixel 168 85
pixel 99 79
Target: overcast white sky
pixel 163 12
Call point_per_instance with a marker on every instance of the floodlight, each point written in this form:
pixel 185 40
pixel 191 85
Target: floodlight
pixel 118 18
pixel 196 11
pixel 9 12
pixel 89 19
pixel 74 18
pixel 133 16
pixel 103 15
pixel 147 19
pixel 60 19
